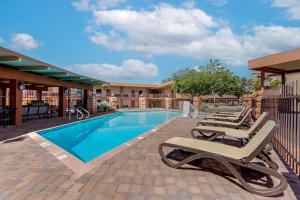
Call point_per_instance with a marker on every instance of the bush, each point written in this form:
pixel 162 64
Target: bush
pixel 103 106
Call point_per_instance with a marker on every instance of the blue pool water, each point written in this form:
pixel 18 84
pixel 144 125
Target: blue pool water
pixel 91 138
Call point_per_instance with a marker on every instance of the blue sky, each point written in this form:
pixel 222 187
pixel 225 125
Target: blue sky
pixel 146 41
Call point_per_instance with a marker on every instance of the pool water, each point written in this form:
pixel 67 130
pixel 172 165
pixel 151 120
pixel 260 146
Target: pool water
pixel 91 138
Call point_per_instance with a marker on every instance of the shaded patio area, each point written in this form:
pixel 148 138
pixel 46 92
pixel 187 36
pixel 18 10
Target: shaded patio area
pixel 27 171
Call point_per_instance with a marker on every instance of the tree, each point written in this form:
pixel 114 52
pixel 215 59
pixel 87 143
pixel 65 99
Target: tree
pixel 191 82
pixel 242 86
pixel 274 83
pixel 256 85
pixel 222 80
pixel 208 79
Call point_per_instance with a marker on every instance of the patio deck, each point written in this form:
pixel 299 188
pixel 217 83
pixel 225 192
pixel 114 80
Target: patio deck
pixel 27 171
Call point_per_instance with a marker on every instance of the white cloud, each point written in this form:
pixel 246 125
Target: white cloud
pixel 189 4
pixel 131 68
pixel 23 41
pixel 188 32
pixel 292 7
pixel 84 5
pixel 218 2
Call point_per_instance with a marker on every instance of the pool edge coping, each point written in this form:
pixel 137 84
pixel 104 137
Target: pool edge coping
pixel 77 165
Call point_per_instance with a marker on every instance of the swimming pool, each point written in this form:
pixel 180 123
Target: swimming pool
pixel 91 138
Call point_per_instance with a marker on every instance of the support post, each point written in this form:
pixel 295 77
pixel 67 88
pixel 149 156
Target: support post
pixel 168 103
pixel 63 102
pixel 85 98
pixel 16 101
pixel 142 103
pixel 39 94
pixel 283 79
pixel 262 80
pixel 92 102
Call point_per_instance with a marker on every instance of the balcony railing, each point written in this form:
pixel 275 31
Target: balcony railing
pixel 138 96
pixel 161 95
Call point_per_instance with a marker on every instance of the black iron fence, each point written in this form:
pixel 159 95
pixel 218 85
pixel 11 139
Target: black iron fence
pixel 283 104
pixel 6 111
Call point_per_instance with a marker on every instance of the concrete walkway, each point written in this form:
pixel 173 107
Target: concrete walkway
pixel 27 171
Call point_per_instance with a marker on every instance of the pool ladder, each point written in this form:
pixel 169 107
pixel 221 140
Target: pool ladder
pixel 80 111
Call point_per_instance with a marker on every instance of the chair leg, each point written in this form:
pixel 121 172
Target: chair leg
pixel 209 137
pixel 275 190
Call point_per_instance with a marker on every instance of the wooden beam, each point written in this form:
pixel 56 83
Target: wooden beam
pixel 32 68
pixel 8 72
pixel 9 58
pixel 293 71
pixel 272 70
pixel 283 78
pixel 262 80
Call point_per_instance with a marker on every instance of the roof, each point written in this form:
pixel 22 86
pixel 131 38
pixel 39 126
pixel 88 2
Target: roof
pixel 154 86
pixel 283 62
pixel 17 61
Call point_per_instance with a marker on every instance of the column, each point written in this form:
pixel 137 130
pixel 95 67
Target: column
pixel 16 101
pixel 262 80
pixel 2 97
pixel 168 103
pixel 85 98
pixel 91 102
pixel 142 103
pixel 63 101
pixel 39 93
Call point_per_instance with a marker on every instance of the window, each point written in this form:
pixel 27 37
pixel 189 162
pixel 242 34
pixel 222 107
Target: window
pixel 98 91
pixel 108 92
pixel 141 92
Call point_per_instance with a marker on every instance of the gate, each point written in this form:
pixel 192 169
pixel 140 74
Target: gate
pixel 283 104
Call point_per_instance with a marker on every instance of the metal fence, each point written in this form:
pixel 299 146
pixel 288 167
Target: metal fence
pixel 283 104
pixel 208 106
pixel 6 111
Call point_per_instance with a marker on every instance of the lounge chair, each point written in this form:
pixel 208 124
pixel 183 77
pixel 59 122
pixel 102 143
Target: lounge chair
pixel 43 111
pixel 230 156
pixel 213 132
pixel 226 123
pixel 232 114
pixel 25 110
pixel 232 118
pixel 33 111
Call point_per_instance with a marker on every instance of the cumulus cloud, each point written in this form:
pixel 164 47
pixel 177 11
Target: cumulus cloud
pixel 131 68
pixel 84 5
pixel 23 41
pixel 292 7
pixel 189 4
pixel 187 32
pixel 218 2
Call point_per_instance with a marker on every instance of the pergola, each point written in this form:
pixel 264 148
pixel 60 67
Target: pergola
pixel 17 69
pixel 281 63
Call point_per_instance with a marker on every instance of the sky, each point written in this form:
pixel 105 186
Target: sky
pixel 145 41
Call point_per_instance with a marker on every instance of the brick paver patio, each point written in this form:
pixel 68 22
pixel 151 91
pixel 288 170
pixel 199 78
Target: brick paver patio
pixel 27 171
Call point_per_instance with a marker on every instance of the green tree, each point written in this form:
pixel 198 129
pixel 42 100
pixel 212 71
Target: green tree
pixel 191 82
pixel 274 83
pixel 221 79
pixel 208 79
pixel 242 86
pixel 256 85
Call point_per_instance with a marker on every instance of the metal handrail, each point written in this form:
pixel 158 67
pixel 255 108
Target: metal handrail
pixel 78 111
pixel 87 112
